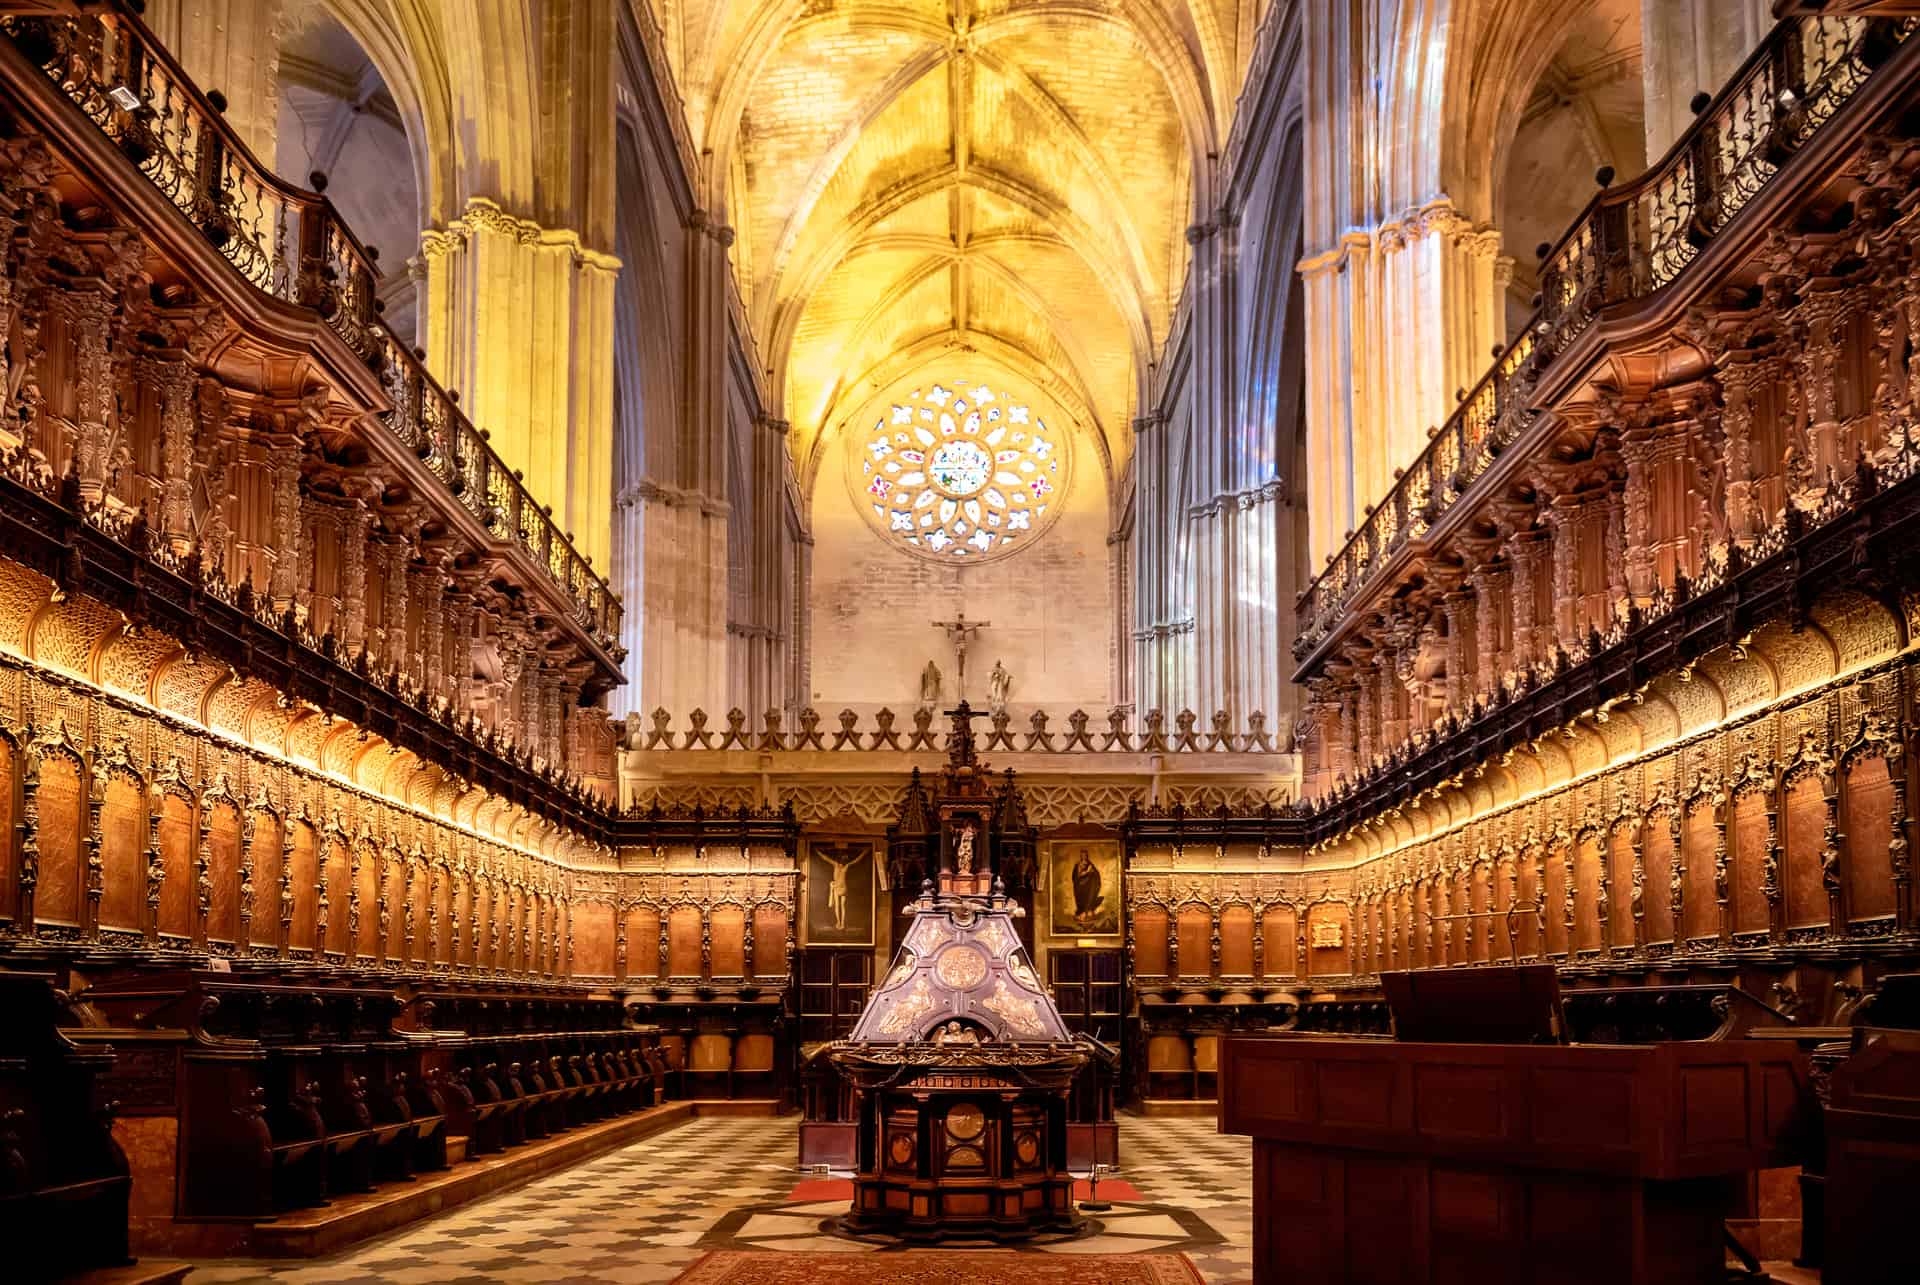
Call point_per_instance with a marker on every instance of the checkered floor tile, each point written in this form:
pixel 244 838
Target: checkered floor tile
pixel 644 1212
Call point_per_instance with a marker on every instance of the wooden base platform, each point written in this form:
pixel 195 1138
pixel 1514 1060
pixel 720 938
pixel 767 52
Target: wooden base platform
pixel 147 1271
pixel 347 1220
pixel 1188 1107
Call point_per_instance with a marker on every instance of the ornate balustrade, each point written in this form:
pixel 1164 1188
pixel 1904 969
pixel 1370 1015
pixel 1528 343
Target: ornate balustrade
pixel 1632 242
pixel 1119 736
pixel 291 244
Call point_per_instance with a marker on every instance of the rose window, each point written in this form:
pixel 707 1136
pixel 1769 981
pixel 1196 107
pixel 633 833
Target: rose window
pixel 960 471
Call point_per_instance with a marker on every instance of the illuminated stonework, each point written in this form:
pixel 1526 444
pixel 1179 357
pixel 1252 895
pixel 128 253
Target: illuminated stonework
pixel 959 471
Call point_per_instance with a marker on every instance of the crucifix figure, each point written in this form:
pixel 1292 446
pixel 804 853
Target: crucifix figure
pixel 960 632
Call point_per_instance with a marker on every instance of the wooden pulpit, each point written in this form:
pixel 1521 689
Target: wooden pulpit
pixel 1380 1161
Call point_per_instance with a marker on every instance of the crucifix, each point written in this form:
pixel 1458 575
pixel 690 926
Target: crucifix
pixel 960 632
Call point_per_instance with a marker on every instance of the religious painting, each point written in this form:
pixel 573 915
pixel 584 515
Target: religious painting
pixel 840 883
pixel 1084 878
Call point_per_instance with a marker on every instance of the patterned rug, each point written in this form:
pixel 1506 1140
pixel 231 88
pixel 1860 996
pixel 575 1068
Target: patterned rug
pixel 937 1267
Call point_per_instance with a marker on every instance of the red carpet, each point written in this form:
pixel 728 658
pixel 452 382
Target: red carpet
pixel 842 1189
pixel 937 1267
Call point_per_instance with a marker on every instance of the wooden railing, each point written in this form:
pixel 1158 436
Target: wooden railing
pixel 292 244
pixel 1631 241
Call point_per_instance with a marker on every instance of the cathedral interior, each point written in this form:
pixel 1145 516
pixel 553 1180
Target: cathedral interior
pixel 750 642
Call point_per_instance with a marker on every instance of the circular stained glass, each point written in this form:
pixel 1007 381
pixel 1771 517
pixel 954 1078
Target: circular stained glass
pixel 964 470
pixel 960 468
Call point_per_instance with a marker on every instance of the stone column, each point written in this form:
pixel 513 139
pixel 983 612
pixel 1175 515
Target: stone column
pixel 519 318
pixel 232 46
pixel 1691 47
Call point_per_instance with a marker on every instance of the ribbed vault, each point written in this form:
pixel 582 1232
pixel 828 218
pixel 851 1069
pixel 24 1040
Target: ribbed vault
pixel 908 178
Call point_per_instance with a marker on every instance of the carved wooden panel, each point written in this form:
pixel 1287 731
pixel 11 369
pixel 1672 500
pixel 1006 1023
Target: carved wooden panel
pixel 123 856
pixel 1586 892
pixel 683 941
pixel 1236 941
pixel 1866 871
pixel 1501 898
pixel 729 936
pixel 366 935
pixel 1750 842
pixel 9 837
pixel 1479 904
pixel 1329 941
pixel 1195 929
pixel 1656 851
pixel 1805 831
pixel 463 923
pixel 62 826
pixel 1700 917
pixel 303 873
pixel 769 940
pixel 1150 941
pixel 179 840
pixel 420 899
pixel 441 921
pixel 1557 893
pixel 223 872
pixel 593 923
pixel 1526 920
pixel 1620 879
pixel 643 942
pixel 265 853
pixel 396 907
pixel 337 875
pixel 1277 930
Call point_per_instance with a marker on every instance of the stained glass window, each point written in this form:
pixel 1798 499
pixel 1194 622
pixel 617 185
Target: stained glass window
pixel 960 471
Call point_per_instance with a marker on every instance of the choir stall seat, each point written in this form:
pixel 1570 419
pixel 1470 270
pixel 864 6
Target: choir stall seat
pixel 753 1069
pixel 1206 1066
pixel 709 1065
pixel 1169 1067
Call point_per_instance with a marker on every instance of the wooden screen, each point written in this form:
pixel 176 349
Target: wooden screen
pixel 1087 988
pixel 833 989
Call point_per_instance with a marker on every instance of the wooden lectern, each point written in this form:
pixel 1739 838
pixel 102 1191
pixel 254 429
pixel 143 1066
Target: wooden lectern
pixel 1485 1162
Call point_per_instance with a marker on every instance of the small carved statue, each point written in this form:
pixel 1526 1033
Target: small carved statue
pixel 930 686
pixel 999 683
pixel 963 852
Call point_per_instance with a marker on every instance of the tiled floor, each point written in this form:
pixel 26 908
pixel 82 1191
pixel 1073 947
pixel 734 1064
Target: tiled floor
pixel 644 1212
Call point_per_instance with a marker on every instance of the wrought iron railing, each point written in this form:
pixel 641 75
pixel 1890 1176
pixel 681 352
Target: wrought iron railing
pixel 1630 241
pixel 292 244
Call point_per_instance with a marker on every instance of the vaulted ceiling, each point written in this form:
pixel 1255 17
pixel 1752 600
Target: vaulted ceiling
pixel 908 178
